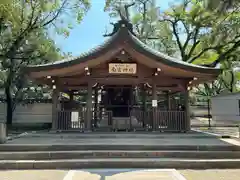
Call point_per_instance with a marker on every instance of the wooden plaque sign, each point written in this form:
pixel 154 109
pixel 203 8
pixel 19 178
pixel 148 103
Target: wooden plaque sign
pixel 122 68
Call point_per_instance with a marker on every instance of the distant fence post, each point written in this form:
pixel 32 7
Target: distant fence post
pixel 238 130
pixel 3 136
pixel 209 120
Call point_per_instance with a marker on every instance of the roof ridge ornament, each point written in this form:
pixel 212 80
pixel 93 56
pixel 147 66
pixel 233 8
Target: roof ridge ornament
pixel 124 22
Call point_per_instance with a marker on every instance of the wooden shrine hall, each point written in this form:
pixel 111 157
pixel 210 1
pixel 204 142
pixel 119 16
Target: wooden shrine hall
pixel 123 84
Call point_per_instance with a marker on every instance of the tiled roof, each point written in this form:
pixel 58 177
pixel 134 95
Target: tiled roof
pixel 164 56
pixel 81 56
pixel 137 44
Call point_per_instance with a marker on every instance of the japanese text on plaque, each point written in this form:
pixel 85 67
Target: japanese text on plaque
pixel 122 68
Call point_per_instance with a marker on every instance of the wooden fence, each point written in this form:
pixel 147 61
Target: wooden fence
pixel 139 120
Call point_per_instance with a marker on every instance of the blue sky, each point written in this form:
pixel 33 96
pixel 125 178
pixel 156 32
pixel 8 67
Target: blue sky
pixel 89 33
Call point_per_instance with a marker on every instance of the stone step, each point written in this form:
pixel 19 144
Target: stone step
pixel 52 155
pixel 93 146
pixel 76 134
pixel 121 163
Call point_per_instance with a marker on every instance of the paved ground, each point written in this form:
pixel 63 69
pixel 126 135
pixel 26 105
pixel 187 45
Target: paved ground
pixel 120 174
pixel 227 174
pixel 166 139
pixel 223 131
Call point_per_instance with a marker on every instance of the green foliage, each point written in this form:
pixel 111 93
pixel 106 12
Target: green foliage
pixel 221 6
pixel 205 32
pixel 207 37
pixel 145 20
pixel 24 38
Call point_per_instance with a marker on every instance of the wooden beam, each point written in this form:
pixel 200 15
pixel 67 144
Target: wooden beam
pixel 120 80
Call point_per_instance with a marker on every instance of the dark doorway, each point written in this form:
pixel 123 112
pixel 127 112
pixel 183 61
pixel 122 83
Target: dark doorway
pixel 118 100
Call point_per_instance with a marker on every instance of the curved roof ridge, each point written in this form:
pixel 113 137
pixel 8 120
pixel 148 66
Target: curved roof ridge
pixel 84 54
pixel 165 56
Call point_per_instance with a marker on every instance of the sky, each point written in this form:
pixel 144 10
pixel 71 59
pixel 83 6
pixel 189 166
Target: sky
pixel 89 33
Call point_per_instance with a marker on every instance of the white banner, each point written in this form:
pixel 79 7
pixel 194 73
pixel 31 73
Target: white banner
pixel 154 103
pixel 74 117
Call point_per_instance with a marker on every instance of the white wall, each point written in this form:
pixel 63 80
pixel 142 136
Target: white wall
pixel 226 108
pixel 31 113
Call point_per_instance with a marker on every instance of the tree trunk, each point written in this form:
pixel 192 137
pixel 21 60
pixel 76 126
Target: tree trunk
pixel 9 102
pixel 209 113
pixel 232 84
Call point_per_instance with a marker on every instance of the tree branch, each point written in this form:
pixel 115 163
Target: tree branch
pixel 189 35
pixel 178 39
pixel 144 13
pixel 225 54
pixel 55 16
pixel 126 9
pixel 195 43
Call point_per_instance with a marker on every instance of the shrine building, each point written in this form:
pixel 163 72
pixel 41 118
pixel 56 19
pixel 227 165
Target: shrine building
pixel 126 84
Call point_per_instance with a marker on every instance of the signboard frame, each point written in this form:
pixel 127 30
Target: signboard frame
pixel 122 68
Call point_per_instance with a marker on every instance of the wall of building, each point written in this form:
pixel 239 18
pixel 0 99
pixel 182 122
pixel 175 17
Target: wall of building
pixel 29 114
pixel 225 109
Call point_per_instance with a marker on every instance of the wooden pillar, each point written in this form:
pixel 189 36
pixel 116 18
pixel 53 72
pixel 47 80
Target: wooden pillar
pixel 154 97
pixel 55 108
pixel 71 95
pixel 95 105
pixel 168 101
pixel 132 99
pixel 187 110
pixel 144 105
pixel 88 122
pixel 100 105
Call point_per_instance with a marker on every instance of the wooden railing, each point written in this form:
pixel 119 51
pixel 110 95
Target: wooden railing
pixel 164 120
pixel 102 121
pixel 170 121
pixel 70 119
pixel 149 120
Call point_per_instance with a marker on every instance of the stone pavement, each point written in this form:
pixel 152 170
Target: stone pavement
pixel 97 174
pixel 195 139
pixel 120 174
pixel 222 131
pixel 227 174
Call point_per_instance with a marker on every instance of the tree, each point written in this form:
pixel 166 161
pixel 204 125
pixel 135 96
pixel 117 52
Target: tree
pixel 208 38
pixel 144 17
pixel 24 39
pixel 204 31
pixel 221 5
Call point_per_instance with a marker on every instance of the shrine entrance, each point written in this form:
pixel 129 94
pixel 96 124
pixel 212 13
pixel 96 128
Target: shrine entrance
pixel 118 100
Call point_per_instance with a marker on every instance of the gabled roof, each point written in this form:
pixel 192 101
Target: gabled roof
pixel 124 35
